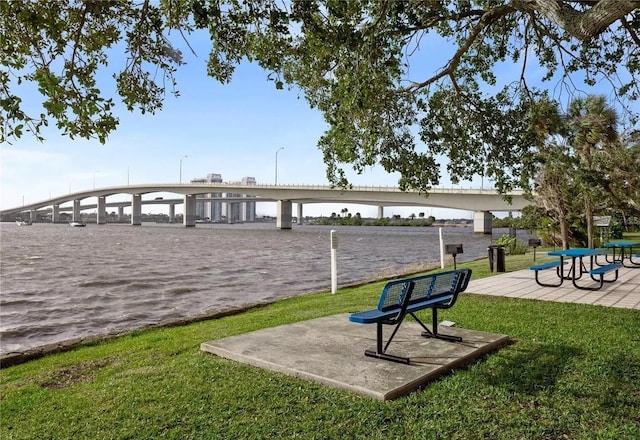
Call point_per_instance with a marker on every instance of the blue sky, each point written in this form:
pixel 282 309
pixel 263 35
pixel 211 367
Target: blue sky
pixel 233 129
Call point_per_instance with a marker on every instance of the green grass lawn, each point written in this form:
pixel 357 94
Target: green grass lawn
pixel 572 372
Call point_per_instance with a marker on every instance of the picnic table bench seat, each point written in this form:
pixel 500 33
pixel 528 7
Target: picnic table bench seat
pixel 407 296
pixel 549 265
pixel 601 270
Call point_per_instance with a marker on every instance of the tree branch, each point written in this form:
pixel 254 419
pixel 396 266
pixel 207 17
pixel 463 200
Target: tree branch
pixel 583 25
pixel 632 32
pixel 487 19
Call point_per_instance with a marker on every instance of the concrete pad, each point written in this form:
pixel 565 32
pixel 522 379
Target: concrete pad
pixel 330 351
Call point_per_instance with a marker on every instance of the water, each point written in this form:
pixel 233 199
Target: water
pixel 60 283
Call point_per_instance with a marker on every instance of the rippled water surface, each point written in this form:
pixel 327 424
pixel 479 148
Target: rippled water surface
pixel 60 283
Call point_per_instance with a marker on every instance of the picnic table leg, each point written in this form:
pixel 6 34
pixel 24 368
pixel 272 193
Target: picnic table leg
pixel 605 260
pixel 571 273
pixel 601 280
pixel 632 264
pixel 576 261
pixel 583 268
pixel 560 270
pixel 606 256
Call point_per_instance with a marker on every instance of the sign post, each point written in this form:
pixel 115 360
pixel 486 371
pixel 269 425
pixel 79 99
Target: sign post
pixel 453 249
pixel 334 261
pixel 441 248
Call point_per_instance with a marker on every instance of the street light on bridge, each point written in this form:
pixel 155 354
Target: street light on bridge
pixel 183 157
pixel 277 151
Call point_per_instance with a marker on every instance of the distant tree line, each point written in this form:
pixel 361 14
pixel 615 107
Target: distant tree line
pixel 345 218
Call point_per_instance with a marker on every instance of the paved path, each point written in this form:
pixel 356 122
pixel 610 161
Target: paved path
pixel 624 293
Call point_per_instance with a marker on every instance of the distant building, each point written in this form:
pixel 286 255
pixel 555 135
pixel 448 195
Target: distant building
pixel 209 210
pixel 233 211
pixel 242 211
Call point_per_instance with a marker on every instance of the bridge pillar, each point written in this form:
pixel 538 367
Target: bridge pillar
pixel 299 213
pixel 482 222
pixel 76 211
pixel 136 209
pixel 101 217
pixel 380 212
pixel 189 217
pixel 33 216
pixel 283 214
pixel 55 213
pixel 231 212
pixel 120 213
pixel 172 213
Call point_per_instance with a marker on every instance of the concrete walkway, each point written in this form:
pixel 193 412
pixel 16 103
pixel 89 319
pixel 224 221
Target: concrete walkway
pixel 623 293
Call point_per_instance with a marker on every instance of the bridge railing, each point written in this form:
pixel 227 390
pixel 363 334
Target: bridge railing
pixel 441 189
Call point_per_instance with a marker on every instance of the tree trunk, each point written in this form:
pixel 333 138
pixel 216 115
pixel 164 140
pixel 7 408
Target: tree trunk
pixel 564 231
pixel 588 211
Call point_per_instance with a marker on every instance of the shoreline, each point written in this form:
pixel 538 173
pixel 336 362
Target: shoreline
pixel 19 357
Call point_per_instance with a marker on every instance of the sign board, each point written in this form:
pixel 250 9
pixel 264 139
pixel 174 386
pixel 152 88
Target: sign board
pixel 453 249
pixel 334 240
pixel 535 242
pixel 603 221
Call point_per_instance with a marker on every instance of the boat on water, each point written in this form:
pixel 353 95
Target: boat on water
pixel 23 222
pixel 78 224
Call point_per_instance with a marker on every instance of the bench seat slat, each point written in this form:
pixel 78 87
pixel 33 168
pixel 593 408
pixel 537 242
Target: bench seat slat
pixel 548 265
pixel 375 315
pixel 604 269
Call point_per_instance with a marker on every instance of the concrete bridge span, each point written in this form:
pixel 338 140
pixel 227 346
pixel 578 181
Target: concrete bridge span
pixel 482 201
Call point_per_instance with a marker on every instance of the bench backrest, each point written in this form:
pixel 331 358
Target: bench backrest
pixel 424 287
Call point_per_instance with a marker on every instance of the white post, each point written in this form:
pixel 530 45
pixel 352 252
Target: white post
pixel 334 261
pixel 441 248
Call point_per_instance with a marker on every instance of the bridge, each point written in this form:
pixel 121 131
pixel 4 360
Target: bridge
pixel 481 201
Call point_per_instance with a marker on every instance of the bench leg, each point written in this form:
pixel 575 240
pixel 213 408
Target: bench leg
pixel 381 347
pixel 387 357
pixel 602 280
pixel 589 287
pixel 599 280
pixel 381 352
pixel 560 275
pixel 434 325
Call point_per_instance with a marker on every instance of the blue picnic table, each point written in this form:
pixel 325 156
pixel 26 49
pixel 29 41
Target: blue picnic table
pixel 626 251
pixel 578 267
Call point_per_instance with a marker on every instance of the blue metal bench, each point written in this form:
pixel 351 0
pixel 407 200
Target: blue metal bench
pixel 404 297
pixel 600 271
pixel 549 265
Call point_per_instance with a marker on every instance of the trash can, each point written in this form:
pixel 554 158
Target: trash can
pixel 496 258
